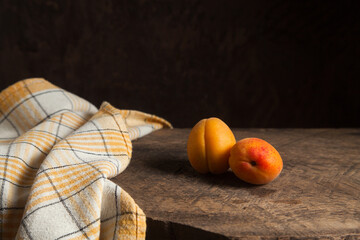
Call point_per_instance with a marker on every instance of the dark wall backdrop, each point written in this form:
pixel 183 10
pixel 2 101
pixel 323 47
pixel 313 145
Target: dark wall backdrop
pixel 251 63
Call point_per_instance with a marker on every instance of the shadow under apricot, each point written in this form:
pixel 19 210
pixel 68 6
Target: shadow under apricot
pixel 181 168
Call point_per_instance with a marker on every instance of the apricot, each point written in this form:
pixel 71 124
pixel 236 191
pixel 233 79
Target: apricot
pixel 208 146
pixel 255 161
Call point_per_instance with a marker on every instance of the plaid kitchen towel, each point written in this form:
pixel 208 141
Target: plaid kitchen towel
pixel 57 153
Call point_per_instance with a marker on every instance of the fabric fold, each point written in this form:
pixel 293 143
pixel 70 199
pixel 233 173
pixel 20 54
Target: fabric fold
pixel 57 154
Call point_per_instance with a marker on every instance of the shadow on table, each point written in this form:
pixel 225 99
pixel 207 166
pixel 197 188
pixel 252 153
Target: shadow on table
pixel 354 133
pixel 181 168
pixel 169 230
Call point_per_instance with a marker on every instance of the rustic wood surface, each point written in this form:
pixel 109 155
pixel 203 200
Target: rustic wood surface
pixel 317 195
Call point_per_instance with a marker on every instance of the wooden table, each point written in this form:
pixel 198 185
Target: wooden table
pixel 317 195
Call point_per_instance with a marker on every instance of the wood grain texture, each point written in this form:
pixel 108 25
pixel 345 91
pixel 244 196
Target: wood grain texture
pixel 317 196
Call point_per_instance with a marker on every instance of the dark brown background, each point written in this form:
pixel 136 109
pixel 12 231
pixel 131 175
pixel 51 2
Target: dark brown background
pixel 252 63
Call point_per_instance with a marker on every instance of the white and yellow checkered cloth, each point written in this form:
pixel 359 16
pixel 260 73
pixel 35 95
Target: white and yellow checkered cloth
pixel 57 152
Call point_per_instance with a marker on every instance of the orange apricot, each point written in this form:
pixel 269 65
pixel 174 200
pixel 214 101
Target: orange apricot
pixel 255 161
pixel 209 145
